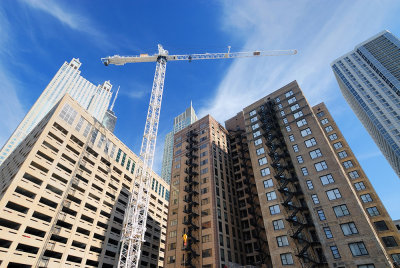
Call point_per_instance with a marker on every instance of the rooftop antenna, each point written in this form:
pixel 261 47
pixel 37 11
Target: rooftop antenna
pixel 112 105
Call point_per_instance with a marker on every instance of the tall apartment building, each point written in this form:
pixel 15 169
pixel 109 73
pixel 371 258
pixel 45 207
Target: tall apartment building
pixel 68 79
pixel 180 122
pixel 63 194
pixel 302 197
pixel 369 78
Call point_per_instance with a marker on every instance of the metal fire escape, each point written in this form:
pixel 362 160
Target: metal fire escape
pixel 297 212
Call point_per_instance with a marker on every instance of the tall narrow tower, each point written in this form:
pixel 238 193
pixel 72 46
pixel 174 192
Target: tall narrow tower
pixel 68 79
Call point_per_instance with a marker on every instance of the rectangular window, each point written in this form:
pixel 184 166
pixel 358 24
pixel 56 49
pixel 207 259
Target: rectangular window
pixel 262 161
pixel 320 166
pixel 285 121
pixel 341 211
pixel 288 128
pixel 381 226
pixel 254 119
pixel 305 132
pixel 295 107
pixel 311 142
pixel 278 100
pixel 321 215
pixel 342 154
pixel 328 232
pixel 320 114
pixel 295 148
pixel 268 183
pixel 280 106
pixel 253 112
pixel 335 252
pixel 315 198
pixel 288 94
pixel 366 198
pixel 282 241
pixel 271 195
pixel 299 159
pixel 172 234
pixel 358 249
pixel 287 259
pixel 310 184
pixel 282 113
pixel 333 194
pixel 333 137
pixel 292 100
pixel 304 171
pixel 68 114
pixel 359 186
pixel 301 122
pixel 373 211
pixel 389 241
pixel 329 129
pixel 260 151
pixel 256 134
pixel 274 209
pixel 327 179
pixel 255 126
pixel 315 154
pixel 257 142
pixel 337 145
pixel 349 228
pixel 324 121
pixel 298 114
pixel 265 172
pixel 291 138
pixel 354 174
pixel 278 224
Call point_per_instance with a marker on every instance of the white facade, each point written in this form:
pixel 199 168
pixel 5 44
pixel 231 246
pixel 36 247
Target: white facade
pixel 68 79
pixel 180 122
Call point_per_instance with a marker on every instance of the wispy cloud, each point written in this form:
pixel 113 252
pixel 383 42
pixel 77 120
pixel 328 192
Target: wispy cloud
pixel 321 32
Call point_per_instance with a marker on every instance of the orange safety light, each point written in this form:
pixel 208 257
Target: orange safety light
pixel 185 239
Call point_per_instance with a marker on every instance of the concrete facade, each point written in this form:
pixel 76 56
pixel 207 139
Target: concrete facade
pixel 63 193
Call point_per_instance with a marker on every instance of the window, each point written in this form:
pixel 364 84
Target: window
pixel 255 126
pixel 254 119
pixel 341 211
pixel 342 154
pixel 173 222
pixel 315 154
pixel 288 128
pixel 253 113
pixel 333 194
pixel 291 100
pixel 328 232
pixel 335 252
pixel 68 114
pixel 320 114
pixel 287 259
pixel 278 224
pixel 295 148
pixel 389 241
pixel 315 198
pixel 311 142
pixel 329 129
pixel 282 241
pixel 366 266
pixel 324 121
pixel 381 226
pixel 349 228
pixel 366 198
pixel 206 253
pixel 373 211
pixel 337 145
pixel 291 138
pixel 278 99
pixel 280 106
pixel 299 159
pixel 359 186
pixel 268 183
pixel 358 249
pixel 310 185
pixel 256 134
pixel 282 113
pixel 326 179
pixel 395 257
pixel 285 121
pixel 271 195
pixel 172 234
pixel 354 174
pixel 274 209
pixel 262 161
pixel 298 114
pixel 265 172
pixel 206 238
pixel 260 151
pixel 257 142
pixel 333 137
pixel 301 123
pixel 288 94
pixel 305 132
pixel 295 107
pixel 321 215
pixel 320 166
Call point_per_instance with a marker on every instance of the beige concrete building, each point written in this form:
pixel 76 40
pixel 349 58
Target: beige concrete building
pixel 63 193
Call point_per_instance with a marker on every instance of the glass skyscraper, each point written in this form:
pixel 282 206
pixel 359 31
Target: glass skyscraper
pixel 180 122
pixel 369 78
pixel 68 79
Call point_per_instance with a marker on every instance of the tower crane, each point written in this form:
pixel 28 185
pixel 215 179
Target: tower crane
pixel 134 226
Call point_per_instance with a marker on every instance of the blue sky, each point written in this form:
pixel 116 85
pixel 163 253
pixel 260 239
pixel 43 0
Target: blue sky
pixel 37 36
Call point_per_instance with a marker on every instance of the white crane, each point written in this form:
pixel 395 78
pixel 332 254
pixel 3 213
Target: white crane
pixel 136 212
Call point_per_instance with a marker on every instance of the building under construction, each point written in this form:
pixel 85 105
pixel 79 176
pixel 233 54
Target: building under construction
pixel 278 187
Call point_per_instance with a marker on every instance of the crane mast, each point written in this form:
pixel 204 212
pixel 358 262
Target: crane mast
pixel 135 218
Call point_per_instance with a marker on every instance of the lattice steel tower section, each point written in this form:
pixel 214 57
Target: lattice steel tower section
pixel 134 226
